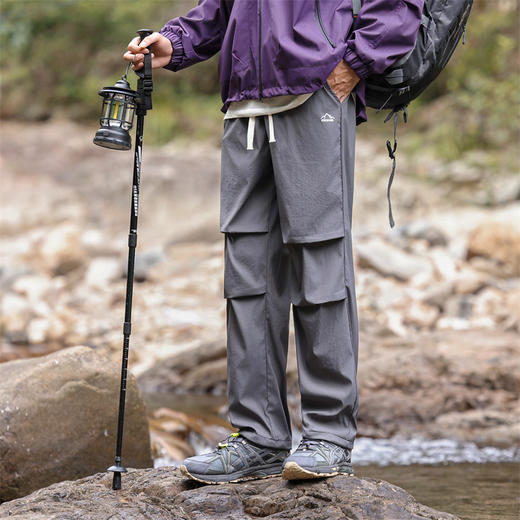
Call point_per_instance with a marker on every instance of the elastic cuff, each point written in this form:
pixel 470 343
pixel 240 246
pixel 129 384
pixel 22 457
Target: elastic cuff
pixel 178 50
pixel 355 62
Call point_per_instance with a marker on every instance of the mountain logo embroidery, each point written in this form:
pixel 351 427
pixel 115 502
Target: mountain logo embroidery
pixel 327 118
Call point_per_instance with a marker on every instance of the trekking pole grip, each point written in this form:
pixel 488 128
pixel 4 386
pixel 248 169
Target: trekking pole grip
pixel 143 33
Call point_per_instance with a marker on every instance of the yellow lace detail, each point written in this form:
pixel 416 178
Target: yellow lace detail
pixel 225 445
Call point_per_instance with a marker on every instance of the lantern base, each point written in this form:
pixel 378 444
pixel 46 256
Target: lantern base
pixel 114 138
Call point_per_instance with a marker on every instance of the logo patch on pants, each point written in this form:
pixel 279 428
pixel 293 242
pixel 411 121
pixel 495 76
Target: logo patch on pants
pixel 327 118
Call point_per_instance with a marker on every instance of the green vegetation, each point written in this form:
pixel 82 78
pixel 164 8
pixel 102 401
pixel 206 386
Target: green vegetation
pixel 57 54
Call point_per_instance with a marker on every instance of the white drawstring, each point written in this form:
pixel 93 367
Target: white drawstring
pixel 271 129
pixel 250 132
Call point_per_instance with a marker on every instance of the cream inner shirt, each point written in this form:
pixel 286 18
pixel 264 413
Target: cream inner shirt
pixel 265 106
pixel 253 108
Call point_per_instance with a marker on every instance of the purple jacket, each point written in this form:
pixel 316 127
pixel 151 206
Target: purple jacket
pixel 275 47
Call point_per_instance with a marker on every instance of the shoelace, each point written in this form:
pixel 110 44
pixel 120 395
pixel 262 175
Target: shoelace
pixel 229 439
pixel 308 443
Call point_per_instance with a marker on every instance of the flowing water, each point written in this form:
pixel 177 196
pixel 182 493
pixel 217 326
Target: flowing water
pixel 488 491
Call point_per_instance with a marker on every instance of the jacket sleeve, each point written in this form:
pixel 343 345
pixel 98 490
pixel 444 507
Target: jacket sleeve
pixel 198 35
pixel 384 30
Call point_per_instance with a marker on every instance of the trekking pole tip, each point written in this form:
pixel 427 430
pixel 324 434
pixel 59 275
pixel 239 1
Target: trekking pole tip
pixel 116 481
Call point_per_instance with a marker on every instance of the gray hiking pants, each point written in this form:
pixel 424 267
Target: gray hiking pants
pixel 286 211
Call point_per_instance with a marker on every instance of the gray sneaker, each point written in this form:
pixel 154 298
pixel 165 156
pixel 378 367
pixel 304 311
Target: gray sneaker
pixel 314 459
pixel 234 460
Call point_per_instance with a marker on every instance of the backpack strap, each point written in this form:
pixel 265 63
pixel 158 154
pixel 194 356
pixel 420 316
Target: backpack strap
pixel 391 153
pixel 356 7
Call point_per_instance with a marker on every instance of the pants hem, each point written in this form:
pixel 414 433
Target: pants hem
pixel 325 436
pixel 268 442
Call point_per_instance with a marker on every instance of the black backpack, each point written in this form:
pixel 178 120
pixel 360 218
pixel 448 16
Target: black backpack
pixel 442 26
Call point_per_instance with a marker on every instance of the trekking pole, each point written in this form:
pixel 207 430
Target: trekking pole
pixel 116 109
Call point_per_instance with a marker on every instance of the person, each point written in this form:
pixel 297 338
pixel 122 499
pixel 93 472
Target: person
pixel 292 76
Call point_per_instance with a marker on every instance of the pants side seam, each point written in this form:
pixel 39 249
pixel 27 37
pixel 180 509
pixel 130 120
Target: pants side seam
pixel 343 188
pixel 266 313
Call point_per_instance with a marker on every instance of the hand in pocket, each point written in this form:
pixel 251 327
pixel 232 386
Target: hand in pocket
pixel 342 80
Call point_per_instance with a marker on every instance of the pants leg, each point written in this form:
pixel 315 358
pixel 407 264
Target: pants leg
pixel 258 305
pixel 298 192
pixel 313 163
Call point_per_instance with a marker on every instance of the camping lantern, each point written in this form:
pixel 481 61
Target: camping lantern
pixel 117 116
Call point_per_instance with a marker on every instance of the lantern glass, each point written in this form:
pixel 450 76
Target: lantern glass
pixel 117 116
pixel 117 110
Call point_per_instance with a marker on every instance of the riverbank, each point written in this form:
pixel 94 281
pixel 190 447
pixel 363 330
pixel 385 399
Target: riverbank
pixel 439 318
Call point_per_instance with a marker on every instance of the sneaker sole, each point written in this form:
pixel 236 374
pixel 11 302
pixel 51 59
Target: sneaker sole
pixel 292 471
pixel 233 477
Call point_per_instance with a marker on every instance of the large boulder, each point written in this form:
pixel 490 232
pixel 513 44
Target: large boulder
pixel 58 420
pixel 162 494
pixel 498 241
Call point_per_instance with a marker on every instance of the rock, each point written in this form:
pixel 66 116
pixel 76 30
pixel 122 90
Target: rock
pixel 58 420
pixel 102 271
pixel 498 241
pixel 199 369
pixel 422 229
pixel 143 264
pixel 15 313
pixel 459 172
pixel 33 287
pixel 489 427
pixel 163 494
pixel 61 250
pixel 438 293
pixel 420 315
pixel 459 306
pixel 10 273
pixel 469 281
pixel 401 394
pixel 390 260
pixel 443 263
pixel 98 244
pixel 505 189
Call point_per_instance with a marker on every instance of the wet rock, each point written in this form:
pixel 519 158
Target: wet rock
pixel 498 241
pixel 162 494
pixel 58 419
pixel 389 260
